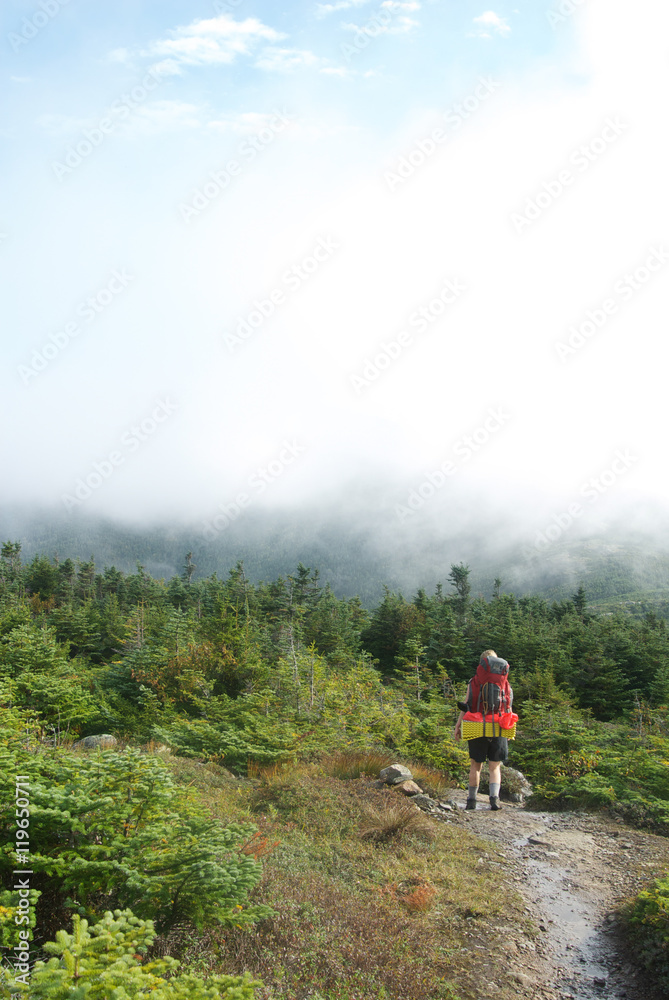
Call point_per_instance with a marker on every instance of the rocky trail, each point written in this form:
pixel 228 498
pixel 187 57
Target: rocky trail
pixel 574 869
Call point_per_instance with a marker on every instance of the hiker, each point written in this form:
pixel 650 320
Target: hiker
pixel 493 748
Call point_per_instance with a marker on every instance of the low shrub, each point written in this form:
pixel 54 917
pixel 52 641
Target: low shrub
pixel 112 830
pixel 647 918
pixel 104 960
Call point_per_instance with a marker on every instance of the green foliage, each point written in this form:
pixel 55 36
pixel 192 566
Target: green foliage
pixel 261 739
pixel 431 739
pixel 9 908
pixel 32 648
pixel 113 829
pixel 273 672
pixel 575 761
pixel 390 626
pixel 648 923
pixel 104 961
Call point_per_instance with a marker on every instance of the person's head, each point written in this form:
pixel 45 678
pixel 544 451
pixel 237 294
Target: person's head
pixel 486 653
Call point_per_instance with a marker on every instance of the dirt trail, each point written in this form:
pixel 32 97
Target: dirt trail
pixel 573 870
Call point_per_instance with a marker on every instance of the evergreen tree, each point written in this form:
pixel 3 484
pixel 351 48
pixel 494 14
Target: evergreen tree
pixel 10 568
pixel 189 569
pixel 446 647
pixel 42 578
pixel 459 578
pixel 579 600
pixel 390 625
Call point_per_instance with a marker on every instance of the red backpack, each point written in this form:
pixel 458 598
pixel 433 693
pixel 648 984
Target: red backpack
pixel 489 689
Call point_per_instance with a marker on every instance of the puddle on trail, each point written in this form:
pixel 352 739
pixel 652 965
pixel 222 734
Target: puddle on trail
pixel 590 968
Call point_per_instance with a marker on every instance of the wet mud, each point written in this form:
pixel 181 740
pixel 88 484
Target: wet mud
pixel 574 871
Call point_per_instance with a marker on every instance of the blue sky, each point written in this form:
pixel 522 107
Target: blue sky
pixel 347 234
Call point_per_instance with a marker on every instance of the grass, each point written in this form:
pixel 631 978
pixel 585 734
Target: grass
pixel 374 900
pixel 392 818
pixel 357 763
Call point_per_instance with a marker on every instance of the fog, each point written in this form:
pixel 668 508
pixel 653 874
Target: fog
pixel 427 303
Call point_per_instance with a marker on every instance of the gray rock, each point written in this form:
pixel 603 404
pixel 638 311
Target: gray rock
pixel 103 741
pixel 424 802
pixel 515 786
pixel 395 773
pixel 408 787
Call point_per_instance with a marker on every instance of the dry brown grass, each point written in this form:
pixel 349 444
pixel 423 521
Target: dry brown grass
pixel 357 763
pixel 432 781
pixel 267 772
pixel 393 818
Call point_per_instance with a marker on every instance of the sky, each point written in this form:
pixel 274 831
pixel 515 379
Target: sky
pixel 264 254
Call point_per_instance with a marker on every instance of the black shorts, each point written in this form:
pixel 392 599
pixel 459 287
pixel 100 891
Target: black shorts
pixel 489 748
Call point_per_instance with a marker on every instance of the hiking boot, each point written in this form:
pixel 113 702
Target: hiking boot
pixel 495 803
pixel 470 804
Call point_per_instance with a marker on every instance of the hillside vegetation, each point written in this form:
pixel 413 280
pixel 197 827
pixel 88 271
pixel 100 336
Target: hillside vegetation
pixel 249 840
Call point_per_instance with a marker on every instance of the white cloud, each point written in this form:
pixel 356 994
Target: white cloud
pixel 246 123
pixel 392 22
pixel 150 117
pixel 212 41
pixel 490 23
pixel 337 71
pixel 64 126
pixel 398 26
pixel 287 60
pixel 161 116
pixel 323 9
pixel 398 5
pixel 401 25
pixel 167 67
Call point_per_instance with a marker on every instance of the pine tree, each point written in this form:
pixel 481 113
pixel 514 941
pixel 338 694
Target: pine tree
pixel 459 578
